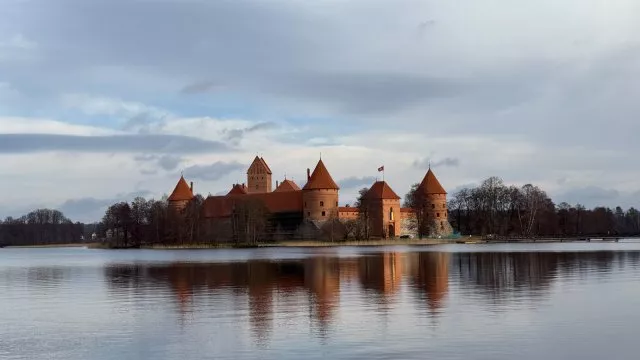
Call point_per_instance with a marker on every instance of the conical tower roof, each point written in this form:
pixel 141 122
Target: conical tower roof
pixel 381 190
pixel 182 191
pixel 259 163
pixel 287 185
pixel 431 185
pixel 320 179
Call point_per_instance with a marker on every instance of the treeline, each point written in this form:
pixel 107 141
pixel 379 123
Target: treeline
pixel 154 222
pixel 146 222
pixel 497 209
pixel 40 227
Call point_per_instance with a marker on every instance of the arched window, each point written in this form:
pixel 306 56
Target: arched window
pixel 437 214
pixel 323 213
pixel 391 214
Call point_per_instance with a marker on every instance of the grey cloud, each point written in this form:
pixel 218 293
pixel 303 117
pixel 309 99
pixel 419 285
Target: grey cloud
pixel 212 172
pixel 199 87
pixel 165 162
pixel 90 209
pixel 237 134
pixel 590 196
pixel 354 181
pixel 446 162
pixel 167 144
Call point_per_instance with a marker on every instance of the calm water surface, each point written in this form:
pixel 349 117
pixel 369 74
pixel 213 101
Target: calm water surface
pixel 556 301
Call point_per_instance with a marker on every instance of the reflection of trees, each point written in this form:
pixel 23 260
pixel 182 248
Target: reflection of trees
pixel 504 277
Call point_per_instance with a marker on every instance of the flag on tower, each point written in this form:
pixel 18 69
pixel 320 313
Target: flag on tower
pixel 381 168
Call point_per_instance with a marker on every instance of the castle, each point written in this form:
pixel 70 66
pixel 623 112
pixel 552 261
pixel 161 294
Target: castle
pixel 317 203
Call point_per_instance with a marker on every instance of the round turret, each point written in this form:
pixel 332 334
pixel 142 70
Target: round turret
pixel 320 195
pixel 435 206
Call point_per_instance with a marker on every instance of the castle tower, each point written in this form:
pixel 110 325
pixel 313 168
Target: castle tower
pixel 320 195
pixel 181 195
pixel 258 177
pixel 434 203
pixel 383 205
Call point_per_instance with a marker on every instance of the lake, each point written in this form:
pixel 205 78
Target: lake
pixel 502 301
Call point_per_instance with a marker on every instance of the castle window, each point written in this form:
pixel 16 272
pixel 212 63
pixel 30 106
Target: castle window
pixel 437 214
pixel 308 213
pixel 444 206
pixel 323 213
pixel 336 203
pixel 322 204
pixel 433 206
pixel 391 214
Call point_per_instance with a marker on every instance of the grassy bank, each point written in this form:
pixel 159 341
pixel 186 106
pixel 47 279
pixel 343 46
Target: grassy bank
pixel 304 244
pixel 51 245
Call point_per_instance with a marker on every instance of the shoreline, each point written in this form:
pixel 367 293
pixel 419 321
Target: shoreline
pixel 305 244
pixel 473 240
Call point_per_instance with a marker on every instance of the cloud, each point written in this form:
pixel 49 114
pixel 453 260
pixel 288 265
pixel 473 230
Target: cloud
pixel 426 162
pixel 239 133
pixel 355 182
pixel 212 172
pixel 136 116
pixel 18 41
pixel 369 82
pixel 199 87
pixel 167 144
pixel 590 196
pixel 165 162
pixel 89 209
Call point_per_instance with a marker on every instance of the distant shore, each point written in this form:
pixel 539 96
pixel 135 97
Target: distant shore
pixel 49 245
pixel 318 244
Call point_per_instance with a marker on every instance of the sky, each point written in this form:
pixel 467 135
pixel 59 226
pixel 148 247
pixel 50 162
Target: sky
pixel 105 100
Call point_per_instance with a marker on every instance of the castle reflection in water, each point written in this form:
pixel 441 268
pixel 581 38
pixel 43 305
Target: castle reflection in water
pixel 313 286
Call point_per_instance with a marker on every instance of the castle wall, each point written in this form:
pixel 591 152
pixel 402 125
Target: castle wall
pixel 436 215
pixel 177 206
pixel 320 204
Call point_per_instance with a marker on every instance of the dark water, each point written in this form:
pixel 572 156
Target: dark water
pixel 559 301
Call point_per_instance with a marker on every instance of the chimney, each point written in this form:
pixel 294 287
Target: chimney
pixel 192 186
pixel 308 174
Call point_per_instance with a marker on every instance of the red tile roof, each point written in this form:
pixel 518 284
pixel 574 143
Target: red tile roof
pixel 381 190
pixel 287 185
pixel 431 185
pixel 182 191
pixel 407 210
pixel 266 166
pixel 238 189
pixel 320 179
pixel 259 162
pixel 275 202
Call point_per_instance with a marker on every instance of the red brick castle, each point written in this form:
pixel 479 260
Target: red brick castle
pixel 317 203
